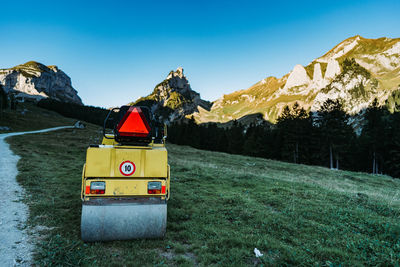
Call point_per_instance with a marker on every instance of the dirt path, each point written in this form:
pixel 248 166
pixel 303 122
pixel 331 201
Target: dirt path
pixel 15 247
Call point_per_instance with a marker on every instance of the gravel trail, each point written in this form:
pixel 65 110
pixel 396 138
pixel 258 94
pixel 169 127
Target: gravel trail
pixel 15 246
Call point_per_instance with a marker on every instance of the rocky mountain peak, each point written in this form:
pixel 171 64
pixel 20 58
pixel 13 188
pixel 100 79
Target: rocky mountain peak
pixel 35 80
pixel 341 49
pixel 173 98
pixel 175 81
pixel 177 73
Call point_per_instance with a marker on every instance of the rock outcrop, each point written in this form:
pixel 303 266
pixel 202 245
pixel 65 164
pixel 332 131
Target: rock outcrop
pixel 297 77
pixel 332 69
pixel 317 76
pixel 173 98
pixel 36 81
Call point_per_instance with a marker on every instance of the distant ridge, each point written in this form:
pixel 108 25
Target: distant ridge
pixel 356 71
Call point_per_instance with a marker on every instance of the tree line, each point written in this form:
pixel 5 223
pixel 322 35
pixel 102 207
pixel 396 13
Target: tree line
pixel 326 138
pixel 89 114
pixel 330 137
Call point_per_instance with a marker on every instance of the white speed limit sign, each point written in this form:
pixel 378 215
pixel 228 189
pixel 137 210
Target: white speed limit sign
pixel 127 168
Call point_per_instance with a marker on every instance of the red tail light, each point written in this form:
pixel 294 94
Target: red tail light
pixel 97 188
pixel 134 123
pixel 154 188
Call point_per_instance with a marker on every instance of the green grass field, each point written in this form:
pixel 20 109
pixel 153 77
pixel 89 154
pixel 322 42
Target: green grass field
pixel 34 118
pixel 222 207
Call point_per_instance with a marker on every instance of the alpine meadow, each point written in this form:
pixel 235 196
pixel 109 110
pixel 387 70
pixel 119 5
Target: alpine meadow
pixel 200 133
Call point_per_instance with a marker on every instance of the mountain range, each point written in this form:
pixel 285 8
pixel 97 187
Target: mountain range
pixel 357 71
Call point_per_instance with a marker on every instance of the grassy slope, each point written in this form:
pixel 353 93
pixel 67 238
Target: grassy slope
pixel 35 118
pixel 222 207
pixel 235 107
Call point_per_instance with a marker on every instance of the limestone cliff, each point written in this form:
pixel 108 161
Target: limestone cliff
pixel 35 80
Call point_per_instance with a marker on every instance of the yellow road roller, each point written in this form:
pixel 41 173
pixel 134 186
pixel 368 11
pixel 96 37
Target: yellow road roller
pixel 126 179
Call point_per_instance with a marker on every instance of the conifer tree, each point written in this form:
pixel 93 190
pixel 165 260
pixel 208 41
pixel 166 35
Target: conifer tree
pixel 391 145
pixel 373 133
pixel 235 138
pixel 335 131
pixel 294 126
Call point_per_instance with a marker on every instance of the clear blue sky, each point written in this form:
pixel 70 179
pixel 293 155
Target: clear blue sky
pixel 117 51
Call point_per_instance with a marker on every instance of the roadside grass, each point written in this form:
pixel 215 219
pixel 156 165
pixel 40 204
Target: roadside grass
pixel 34 118
pixel 222 206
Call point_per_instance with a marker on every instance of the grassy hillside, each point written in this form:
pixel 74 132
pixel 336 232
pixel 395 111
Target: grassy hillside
pixel 30 117
pixel 222 207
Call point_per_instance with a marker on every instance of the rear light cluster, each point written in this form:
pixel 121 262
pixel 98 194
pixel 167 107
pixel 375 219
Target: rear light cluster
pixel 97 187
pixel 155 188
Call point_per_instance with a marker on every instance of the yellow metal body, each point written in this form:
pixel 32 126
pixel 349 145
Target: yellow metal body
pixel 103 164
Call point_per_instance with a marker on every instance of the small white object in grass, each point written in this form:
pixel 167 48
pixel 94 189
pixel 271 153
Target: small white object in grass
pixel 79 125
pixel 258 253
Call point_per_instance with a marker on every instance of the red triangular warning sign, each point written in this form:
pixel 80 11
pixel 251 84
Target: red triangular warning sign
pixel 134 123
